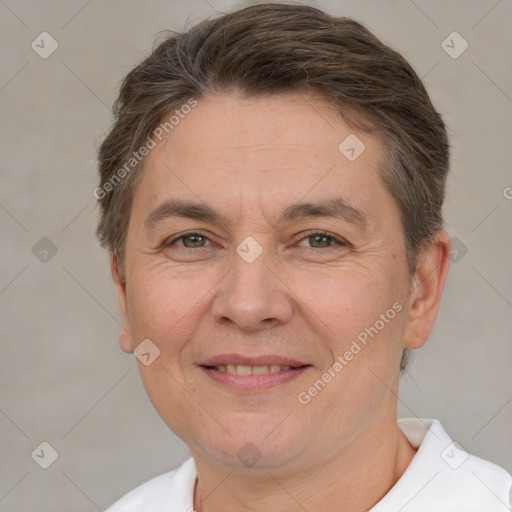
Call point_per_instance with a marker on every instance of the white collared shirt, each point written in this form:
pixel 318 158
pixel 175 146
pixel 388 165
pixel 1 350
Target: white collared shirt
pixel 441 477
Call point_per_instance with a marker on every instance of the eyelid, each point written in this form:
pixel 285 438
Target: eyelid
pixel 340 242
pixel 172 240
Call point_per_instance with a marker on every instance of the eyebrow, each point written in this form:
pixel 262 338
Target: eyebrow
pixel 334 207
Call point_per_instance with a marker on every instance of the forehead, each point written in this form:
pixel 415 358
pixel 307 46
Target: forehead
pixel 285 125
pixel 269 148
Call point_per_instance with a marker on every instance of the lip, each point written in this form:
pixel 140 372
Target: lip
pixel 263 360
pixel 254 383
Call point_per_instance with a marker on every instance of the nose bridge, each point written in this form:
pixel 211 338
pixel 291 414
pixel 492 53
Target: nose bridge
pixel 251 295
pixel 251 270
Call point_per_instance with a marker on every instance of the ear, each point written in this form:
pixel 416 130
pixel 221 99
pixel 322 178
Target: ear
pixel 426 289
pixel 125 338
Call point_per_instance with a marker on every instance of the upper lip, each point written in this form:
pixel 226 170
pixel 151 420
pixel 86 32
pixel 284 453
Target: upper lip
pixel 263 360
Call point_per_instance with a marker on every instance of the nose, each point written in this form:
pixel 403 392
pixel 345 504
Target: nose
pixel 253 296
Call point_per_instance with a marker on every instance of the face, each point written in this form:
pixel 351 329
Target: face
pixel 270 272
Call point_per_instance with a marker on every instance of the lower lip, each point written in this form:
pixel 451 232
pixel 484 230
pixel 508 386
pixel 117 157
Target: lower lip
pixel 254 383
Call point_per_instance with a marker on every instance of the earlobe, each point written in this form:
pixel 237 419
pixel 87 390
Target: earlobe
pixel 126 341
pixel 125 338
pixel 426 289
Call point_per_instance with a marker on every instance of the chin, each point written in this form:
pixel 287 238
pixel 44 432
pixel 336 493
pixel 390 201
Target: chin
pixel 250 445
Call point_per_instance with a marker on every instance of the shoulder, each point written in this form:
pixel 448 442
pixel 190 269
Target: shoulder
pixel 482 483
pixel 169 492
pixel 444 476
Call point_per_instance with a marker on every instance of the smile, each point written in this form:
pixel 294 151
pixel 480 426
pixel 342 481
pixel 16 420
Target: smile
pixel 242 369
pixel 252 378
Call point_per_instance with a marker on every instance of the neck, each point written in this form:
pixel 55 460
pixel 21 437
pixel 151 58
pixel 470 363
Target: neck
pixel 353 479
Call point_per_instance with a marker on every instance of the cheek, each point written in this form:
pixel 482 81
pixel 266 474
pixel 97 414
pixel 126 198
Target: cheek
pixel 361 318
pixel 162 307
pixel 347 299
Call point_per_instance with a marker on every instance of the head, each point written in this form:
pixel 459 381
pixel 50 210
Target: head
pixel 220 133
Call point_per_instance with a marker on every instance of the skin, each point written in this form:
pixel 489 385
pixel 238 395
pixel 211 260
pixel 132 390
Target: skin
pixel 304 297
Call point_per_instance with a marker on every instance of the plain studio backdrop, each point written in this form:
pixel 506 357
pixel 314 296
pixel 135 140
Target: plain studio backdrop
pixel 63 378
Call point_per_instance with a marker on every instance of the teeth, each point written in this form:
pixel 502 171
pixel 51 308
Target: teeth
pixel 242 369
pixel 260 370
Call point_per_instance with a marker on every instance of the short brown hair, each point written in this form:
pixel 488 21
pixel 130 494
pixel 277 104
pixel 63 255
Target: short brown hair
pixel 274 48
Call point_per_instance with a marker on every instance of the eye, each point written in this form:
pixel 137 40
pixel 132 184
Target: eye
pixel 322 239
pixel 316 239
pixel 190 240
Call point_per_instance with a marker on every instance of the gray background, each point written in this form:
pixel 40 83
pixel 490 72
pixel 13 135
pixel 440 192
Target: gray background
pixel 63 378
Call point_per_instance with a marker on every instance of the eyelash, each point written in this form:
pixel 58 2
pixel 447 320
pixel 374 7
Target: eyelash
pixel 338 241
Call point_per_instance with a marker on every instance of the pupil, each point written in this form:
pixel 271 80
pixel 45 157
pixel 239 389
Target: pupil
pixel 194 238
pixel 319 237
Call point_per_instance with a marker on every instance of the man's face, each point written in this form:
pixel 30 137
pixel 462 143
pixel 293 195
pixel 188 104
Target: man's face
pixel 258 288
